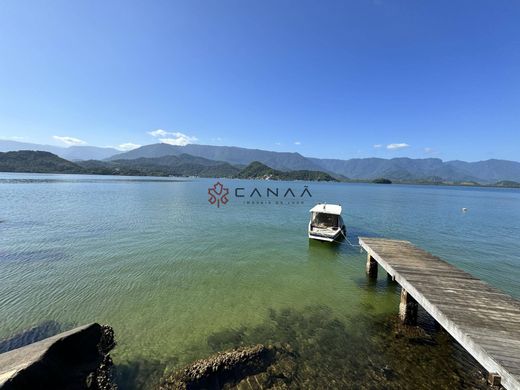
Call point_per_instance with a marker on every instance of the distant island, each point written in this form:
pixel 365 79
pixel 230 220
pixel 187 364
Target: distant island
pixel 508 184
pixel 382 180
pixel 186 165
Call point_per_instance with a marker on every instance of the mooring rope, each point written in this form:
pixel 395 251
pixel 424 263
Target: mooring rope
pixel 348 241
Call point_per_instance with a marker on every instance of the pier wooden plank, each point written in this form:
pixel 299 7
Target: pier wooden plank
pixel 483 319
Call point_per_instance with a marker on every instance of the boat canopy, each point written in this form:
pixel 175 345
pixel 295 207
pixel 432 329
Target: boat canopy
pixel 327 209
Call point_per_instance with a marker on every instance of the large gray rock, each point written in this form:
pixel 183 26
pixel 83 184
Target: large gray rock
pixel 77 359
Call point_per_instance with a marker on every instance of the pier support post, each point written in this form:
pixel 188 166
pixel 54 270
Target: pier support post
pixel 494 379
pixel 408 308
pixel 371 267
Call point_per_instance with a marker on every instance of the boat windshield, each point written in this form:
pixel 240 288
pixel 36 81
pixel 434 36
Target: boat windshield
pixel 325 220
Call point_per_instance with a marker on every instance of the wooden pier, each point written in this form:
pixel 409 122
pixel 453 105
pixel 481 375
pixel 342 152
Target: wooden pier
pixel 484 320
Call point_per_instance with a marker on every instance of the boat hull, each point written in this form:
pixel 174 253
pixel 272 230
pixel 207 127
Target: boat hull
pixel 328 237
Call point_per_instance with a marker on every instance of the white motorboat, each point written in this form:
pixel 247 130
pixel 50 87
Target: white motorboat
pixel 326 223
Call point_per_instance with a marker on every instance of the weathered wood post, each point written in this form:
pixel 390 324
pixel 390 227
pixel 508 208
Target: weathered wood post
pixel 371 266
pixel 494 379
pixel 408 308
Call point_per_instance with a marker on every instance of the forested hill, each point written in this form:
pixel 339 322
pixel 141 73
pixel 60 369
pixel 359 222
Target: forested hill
pixel 36 161
pixel 257 170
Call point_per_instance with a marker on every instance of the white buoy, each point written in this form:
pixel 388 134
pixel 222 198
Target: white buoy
pixel 464 209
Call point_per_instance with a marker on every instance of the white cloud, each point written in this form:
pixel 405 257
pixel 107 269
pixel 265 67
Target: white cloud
pixel 278 143
pixel 377 146
pixel 71 141
pixel 173 137
pixel 397 146
pixel 180 139
pixel 428 150
pixel 128 146
pixel 158 133
pixel 297 143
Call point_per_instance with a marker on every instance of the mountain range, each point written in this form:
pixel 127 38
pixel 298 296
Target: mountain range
pixel 403 169
pixel 231 154
pixel 72 153
pixel 399 169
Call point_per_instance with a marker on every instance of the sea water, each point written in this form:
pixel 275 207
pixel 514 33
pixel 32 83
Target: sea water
pixel 179 278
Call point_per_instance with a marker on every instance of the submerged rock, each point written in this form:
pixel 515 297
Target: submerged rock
pixel 77 359
pixel 243 368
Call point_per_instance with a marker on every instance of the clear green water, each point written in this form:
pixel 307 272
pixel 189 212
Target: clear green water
pixel 172 274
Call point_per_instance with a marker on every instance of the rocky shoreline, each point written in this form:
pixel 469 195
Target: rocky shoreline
pixel 291 350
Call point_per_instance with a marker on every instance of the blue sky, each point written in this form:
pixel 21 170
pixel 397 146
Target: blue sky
pixel 338 79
